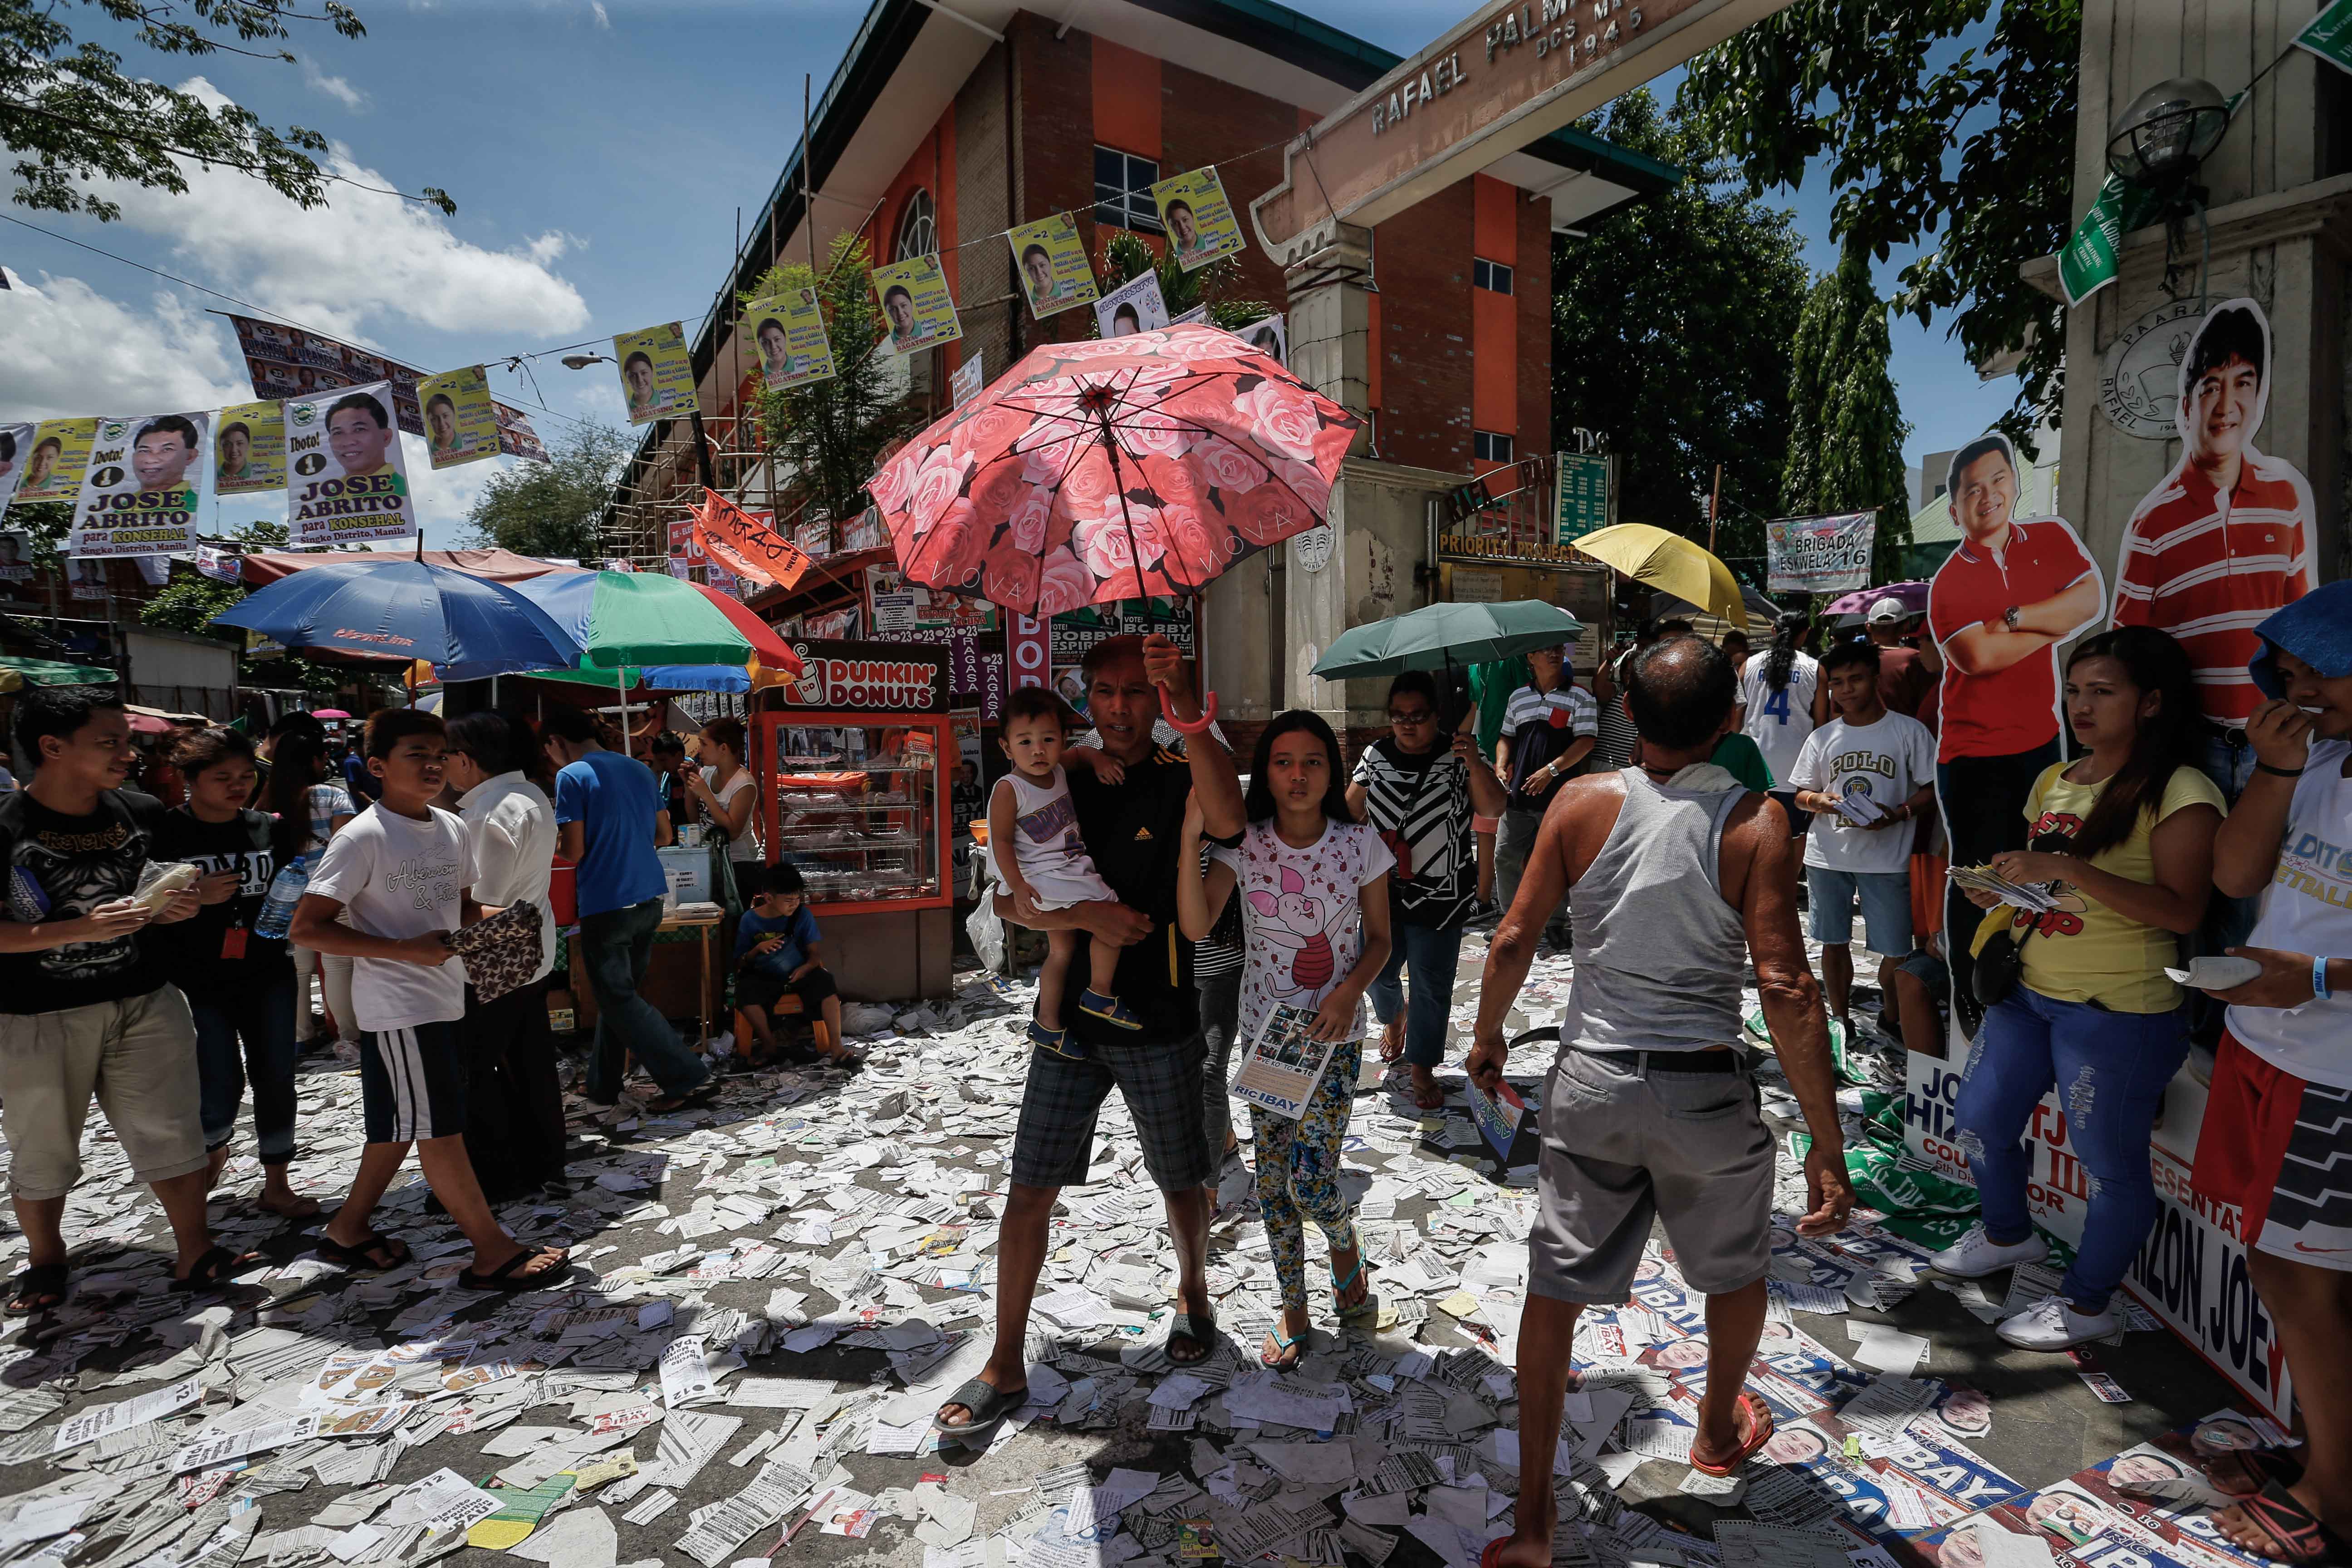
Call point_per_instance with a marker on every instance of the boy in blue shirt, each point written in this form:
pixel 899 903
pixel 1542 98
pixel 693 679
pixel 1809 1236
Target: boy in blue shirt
pixel 777 955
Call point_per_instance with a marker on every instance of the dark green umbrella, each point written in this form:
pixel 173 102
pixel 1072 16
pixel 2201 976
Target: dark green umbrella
pixel 1437 637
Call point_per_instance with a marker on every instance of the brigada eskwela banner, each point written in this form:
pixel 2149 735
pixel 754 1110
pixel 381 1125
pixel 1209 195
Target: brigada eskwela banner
pixel 350 483
pixel 141 490
pixel 1820 554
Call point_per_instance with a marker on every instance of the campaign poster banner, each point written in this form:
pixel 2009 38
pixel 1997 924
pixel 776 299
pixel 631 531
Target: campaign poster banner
pixel 1820 554
pixel 249 448
pixel 351 482
pixel 1199 220
pixel 656 373
pixel 287 361
pixel 1052 265
pixel 55 461
pixel 1135 306
pixel 145 480
pixel 969 378
pixel 2184 536
pixel 16 451
pixel 460 425
pixel 15 556
pixel 914 298
pixel 788 329
pixel 1268 337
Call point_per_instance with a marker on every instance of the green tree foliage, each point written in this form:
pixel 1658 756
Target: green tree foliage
pixel 1845 425
pixel 70 114
pixel 1967 151
pixel 828 436
pixel 1124 257
pixel 1671 321
pixel 551 509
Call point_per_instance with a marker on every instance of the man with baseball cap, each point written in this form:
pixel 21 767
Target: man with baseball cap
pixel 1904 684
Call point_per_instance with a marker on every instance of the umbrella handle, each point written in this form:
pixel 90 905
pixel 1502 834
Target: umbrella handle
pixel 1198 726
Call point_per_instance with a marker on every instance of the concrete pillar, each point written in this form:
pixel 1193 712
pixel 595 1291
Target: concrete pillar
pixel 1329 321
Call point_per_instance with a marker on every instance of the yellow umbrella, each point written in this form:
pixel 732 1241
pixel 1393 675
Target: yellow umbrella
pixel 1670 561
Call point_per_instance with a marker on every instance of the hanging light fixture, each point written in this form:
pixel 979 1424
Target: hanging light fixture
pixel 2159 147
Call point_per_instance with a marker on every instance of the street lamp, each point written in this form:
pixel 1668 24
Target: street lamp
pixel 2159 146
pixel 582 361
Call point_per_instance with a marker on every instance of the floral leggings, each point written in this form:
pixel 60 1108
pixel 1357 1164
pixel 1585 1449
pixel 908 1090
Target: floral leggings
pixel 1298 1168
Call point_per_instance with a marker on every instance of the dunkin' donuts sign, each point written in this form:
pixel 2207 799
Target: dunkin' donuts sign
pixel 869 677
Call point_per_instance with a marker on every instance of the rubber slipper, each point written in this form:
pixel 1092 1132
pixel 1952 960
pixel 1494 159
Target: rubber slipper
pixel 701 1095
pixel 1759 1432
pixel 505 1277
pixel 43 1287
pixel 1204 1333
pixel 357 1259
pixel 2261 1466
pixel 987 1404
pixel 1366 1310
pixel 212 1270
pixel 2302 1542
pixel 1282 1360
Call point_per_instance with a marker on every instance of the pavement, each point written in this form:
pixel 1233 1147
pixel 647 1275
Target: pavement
pixel 775 1291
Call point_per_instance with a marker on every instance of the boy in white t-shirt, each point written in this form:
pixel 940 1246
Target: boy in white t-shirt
pixel 404 870
pixel 1865 775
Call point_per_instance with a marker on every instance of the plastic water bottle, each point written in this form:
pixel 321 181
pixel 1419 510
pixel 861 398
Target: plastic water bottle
pixel 285 890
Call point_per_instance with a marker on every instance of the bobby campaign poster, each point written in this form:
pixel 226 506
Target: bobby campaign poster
pixel 145 478
pixel 788 329
pixel 914 298
pixel 54 464
pixel 656 373
pixel 460 425
pixel 250 449
pixel 1135 306
pixel 349 484
pixel 1052 265
pixel 1199 220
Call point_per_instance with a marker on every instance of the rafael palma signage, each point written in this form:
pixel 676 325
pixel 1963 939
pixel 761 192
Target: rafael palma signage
pixel 1501 78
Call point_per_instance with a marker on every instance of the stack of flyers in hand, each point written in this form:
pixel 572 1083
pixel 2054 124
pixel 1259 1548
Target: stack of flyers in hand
pixel 1283 1063
pixel 1858 808
pixel 2037 897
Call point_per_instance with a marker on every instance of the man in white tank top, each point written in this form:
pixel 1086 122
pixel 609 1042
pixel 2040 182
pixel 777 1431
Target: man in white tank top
pixel 1671 868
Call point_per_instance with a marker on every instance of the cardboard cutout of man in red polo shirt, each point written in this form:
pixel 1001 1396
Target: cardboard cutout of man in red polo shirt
pixel 1997 608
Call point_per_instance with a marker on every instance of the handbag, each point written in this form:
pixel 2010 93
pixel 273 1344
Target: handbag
pixel 1399 845
pixel 2000 960
pixel 501 951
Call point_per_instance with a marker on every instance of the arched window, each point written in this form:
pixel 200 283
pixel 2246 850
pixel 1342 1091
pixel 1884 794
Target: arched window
pixel 918 230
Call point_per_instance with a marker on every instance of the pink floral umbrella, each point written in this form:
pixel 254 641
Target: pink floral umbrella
pixel 1097 471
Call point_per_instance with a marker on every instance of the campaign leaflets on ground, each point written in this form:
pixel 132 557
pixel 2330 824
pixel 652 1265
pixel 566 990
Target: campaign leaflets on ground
pixel 460 423
pixel 249 448
pixel 1502 1118
pixel 788 331
pixel 1135 306
pixel 1283 1064
pixel 53 462
pixel 140 492
pixel 1820 554
pixel 349 479
pixel 1199 220
pixel 656 373
pixel 1052 265
pixel 916 304
pixel 16 450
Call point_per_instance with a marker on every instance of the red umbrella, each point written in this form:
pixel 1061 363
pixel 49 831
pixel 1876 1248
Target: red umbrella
pixel 1097 471
pixel 774 654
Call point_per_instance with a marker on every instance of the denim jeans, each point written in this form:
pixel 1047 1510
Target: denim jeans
pixel 1431 957
pixel 617 945
pixel 2110 1070
pixel 262 1018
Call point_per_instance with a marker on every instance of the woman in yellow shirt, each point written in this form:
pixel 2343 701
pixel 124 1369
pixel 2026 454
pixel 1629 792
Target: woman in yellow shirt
pixel 2126 832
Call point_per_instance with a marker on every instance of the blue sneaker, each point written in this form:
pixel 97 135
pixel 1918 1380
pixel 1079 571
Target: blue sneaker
pixel 1109 1009
pixel 1058 1041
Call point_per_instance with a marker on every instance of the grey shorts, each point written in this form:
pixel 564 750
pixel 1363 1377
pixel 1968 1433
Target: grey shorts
pixel 1624 1142
pixel 137 1058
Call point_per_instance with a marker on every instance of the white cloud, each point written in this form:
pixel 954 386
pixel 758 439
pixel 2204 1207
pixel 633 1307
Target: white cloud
pixel 333 87
pixel 604 23
pixel 72 351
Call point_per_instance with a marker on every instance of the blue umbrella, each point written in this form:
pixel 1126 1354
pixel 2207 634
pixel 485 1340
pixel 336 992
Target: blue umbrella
pixel 466 627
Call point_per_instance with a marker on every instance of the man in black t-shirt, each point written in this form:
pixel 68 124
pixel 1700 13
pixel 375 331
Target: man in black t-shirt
pixel 1133 830
pixel 82 1010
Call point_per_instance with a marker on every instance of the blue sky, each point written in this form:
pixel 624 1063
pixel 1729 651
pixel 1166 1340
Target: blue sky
pixel 598 150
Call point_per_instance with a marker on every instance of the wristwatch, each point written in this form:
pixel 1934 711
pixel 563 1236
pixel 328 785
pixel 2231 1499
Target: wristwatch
pixel 2010 616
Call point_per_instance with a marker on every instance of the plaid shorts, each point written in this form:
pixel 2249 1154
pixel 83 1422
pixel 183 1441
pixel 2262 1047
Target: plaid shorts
pixel 1162 1085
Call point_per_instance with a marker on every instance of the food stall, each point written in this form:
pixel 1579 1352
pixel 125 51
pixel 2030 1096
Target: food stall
pixel 856 762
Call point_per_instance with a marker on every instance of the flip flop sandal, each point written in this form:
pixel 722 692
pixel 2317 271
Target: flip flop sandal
pixel 1491 1554
pixel 701 1095
pixel 1759 1432
pixel 505 1277
pixel 38 1284
pixel 2302 1542
pixel 1364 1312
pixel 211 1271
pixel 1204 1333
pixel 2261 1465
pixel 356 1259
pixel 1282 1360
pixel 989 1405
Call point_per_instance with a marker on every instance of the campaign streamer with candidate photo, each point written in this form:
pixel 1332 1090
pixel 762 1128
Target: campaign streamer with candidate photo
pixel 249 448
pixel 1199 220
pixel 913 297
pixel 1135 306
pixel 2226 536
pixel 656 373
pixel 788 330
pixel 460 425
pixel 350 481
pixel 287 361
pixel 1052 265
pixel 56 461
pixel 16 451
pixel 145 481
pixel 1268 336
pixel 1820 554
pixel 15 556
